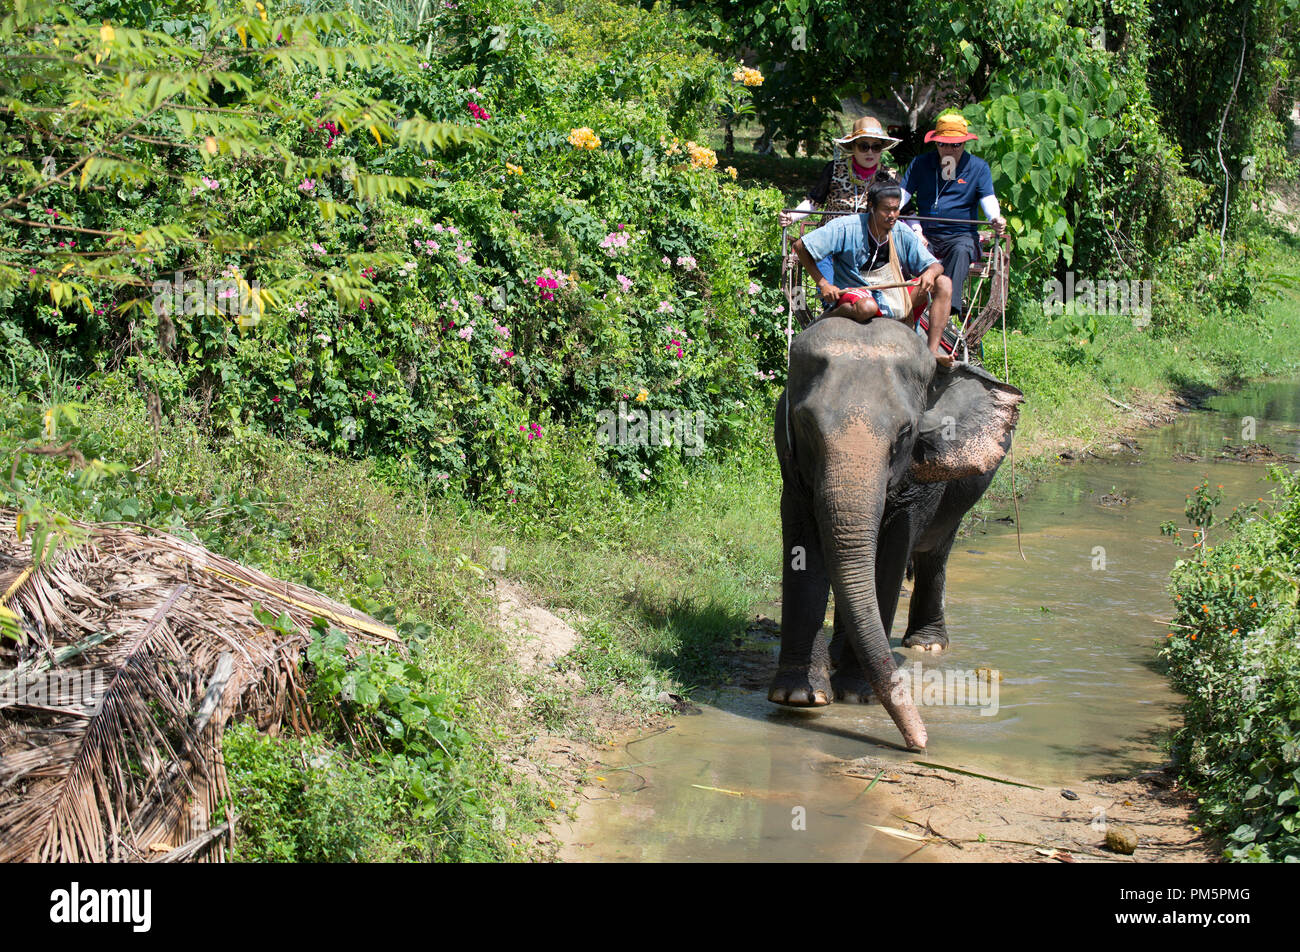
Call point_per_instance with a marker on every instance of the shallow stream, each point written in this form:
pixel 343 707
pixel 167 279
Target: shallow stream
pixel 1072 629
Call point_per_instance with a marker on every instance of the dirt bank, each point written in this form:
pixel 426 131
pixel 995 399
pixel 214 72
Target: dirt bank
pixel 957 818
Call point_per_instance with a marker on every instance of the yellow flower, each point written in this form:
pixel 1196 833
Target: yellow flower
pixel 262 12
pixel 701 158
pixel 731 170
pixel 747 75
pixel 584 138
pixel 512 169
pixel 106 33
pixel 643 396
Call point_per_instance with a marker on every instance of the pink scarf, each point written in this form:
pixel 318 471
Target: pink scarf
pixel 861 172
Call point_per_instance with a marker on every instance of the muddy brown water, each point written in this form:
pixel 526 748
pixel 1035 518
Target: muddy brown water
pixel 1072 630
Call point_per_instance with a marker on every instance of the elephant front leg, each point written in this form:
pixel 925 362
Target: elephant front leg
pixel 925 620
pixel 849 682
pixel 803 670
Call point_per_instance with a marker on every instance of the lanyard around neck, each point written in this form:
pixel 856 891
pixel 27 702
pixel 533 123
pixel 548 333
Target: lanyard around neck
pixel 938 189
pixel 880 243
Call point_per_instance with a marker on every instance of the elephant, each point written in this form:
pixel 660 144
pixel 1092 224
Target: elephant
pixel 882 451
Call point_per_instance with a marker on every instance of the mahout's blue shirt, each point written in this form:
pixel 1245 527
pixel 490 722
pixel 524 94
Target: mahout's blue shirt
pixel 854 252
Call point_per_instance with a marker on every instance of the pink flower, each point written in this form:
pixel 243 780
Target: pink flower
pixel 625 282
pixel 275 399
pixel 615 242
pixel 501 329
pixel 753 287
pixel 307 186
pixel 371 395
pixel 317 247
pixel 665 307
pixel 465 333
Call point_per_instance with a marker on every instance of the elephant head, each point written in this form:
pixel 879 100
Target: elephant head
pixel 873 431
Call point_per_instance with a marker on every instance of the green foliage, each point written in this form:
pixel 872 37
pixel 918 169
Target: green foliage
pixel 385 703
pixel 303 800
pixel 1235 655
pixel 98 114
pixel 1246 53
pixel 395 305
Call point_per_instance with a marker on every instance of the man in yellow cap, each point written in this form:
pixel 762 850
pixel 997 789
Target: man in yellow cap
pixel 950 183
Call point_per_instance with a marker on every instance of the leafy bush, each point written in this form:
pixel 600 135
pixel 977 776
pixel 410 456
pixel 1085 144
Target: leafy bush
pixel 454 315
pixel 303 800
pixel 389 776
pixel 1236 656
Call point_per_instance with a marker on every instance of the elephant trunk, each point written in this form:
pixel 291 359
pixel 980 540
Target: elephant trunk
pixel 852 505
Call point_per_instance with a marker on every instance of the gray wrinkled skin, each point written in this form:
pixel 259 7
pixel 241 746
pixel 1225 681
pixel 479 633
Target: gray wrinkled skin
pixel 885 454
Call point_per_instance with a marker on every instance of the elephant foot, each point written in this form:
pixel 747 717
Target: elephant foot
pixel 800 686
pixel 931 638
pixel 852 687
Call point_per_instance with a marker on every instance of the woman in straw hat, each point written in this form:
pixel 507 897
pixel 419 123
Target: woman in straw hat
pixel 844 182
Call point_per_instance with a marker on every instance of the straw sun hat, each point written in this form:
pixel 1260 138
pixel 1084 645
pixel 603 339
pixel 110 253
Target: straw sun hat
pixel 868 127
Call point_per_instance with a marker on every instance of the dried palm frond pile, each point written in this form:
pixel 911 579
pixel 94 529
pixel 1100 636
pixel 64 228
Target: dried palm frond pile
pixel 139 649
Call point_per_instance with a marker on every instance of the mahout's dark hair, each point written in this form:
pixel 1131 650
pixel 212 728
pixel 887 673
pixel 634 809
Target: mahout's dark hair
pixel 883 185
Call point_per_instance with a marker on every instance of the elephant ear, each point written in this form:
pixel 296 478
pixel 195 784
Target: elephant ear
pixel 966 427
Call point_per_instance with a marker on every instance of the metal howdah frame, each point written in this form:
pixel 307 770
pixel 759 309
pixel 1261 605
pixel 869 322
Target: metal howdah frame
pixel 986 290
